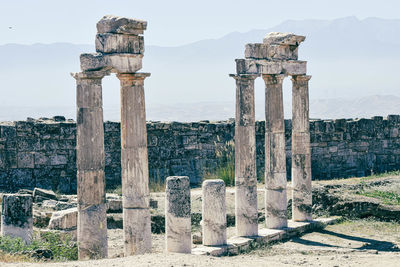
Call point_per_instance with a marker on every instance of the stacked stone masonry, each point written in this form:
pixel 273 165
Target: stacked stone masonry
pixel 42 153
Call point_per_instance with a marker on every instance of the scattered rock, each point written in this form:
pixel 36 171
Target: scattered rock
pixel 197 238
pixel 114 205
pixel 64 219
pixel 40 194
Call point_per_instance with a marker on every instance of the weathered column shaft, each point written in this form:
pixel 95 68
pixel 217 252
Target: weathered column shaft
pixel 301 151
pixel 134 163
pixel 16 216
pixel 178 229
pixel 92 217
pixel 214 213
pixel 275 154
pixel 245 157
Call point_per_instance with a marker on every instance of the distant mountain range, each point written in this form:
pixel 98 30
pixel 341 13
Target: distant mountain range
pixel 354 64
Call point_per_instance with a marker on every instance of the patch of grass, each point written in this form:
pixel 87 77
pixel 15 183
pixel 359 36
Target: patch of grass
pixel 55 246
pixel 157 184
pixel 381 175
pixel 388 198
pixel 225 170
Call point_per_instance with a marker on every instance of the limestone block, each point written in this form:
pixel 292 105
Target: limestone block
pixel 115 24
pixel 137 231
pixel 288 67
pixel 214 213
pixel 124 63
pixel 283 38
pixel 114 205
pixel 46 194
pixel 177 215
pixel 17 216
pixel 64 219
pixel 271 51
pixel 119 43
pixel 92 61
pixel 92 232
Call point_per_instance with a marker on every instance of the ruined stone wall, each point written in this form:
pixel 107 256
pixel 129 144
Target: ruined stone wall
pixel 42 153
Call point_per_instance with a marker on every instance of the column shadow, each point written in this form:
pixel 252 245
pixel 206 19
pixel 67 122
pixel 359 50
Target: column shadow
pixel 369 244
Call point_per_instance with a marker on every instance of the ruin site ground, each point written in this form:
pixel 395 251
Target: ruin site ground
pixel 369 234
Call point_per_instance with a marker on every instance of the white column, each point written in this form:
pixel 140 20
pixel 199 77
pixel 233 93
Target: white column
pixel 245 157
pixel 301 151
pixel 275 154
pixel 134 164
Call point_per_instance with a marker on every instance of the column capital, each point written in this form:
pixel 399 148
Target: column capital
pixel 273 78
pixel 301 78
pixel 136 76
pixel 244 76
pixel 90 75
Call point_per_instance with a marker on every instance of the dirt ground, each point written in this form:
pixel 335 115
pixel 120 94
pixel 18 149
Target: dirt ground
pixel 363 242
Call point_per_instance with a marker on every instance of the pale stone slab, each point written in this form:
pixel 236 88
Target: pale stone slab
pixel 17 216
pixel 120 63
pixel 124 63
pixel 271 51
pixel 64 219
pixel 280 38
pixel 214 213
pixel 177 215
pixel 287 67
pixel 115 24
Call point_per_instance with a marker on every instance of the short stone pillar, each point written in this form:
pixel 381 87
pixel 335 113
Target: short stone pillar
pixel 16 216
pixel 134 163
pixel 214 213
pixel 301 151
pixel 178 230
pixel 90 162
pixel 275 153
pixel 245 157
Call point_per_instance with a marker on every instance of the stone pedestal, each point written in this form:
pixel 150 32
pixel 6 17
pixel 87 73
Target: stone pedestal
pixel 245 157
pixel 301 151
pixel 214 213
pixel 92 217
pixel 275 154
pixel 134 163
pixel 177 215
pixel 16 216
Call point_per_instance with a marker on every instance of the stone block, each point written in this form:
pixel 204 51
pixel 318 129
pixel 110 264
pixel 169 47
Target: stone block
pixel 177 215
pixel 92 61
pixel 17 216
pixel 64 219
pixel 279 38
pixel 271 51
pixel 44 194
pixel 25 160
pixel 125 63
pixel 115 24
pixel 288 67
pixel 119 43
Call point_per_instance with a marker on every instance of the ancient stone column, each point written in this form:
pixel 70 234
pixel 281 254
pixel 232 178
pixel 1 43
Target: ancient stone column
pixel 214 213
pixel 245 157
pixel 275 154
pixel 177 215
pixel 301 151
pixel 16 216
pixel 92 217
pixel 134 164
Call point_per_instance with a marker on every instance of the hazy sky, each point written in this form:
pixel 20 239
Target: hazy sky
pixel 171 22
